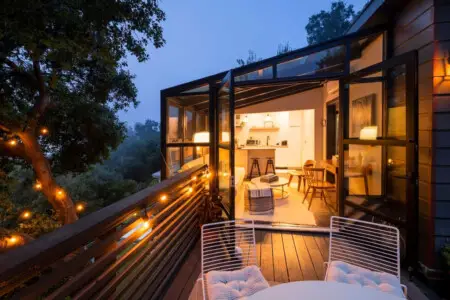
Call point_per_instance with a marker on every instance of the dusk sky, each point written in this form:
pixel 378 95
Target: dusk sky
pixel 204 37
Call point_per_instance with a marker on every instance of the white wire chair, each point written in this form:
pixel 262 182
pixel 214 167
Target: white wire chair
pixel 372 246
pixel 227 246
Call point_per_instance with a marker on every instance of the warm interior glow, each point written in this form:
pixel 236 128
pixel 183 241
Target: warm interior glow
pixel 225 136
pixel 368 133
pixel 245 120
pixel 268 118
pixel 163 198
pixel 201 137
pixel 198 148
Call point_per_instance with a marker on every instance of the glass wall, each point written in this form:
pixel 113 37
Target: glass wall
pixel 378 159
pixel 187 128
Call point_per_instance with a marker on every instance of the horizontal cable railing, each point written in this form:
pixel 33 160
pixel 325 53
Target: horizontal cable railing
pixel 128 250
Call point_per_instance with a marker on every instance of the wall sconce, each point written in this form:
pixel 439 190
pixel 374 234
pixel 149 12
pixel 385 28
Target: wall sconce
pixel 446 63
pixel 368 133
pixel 245 120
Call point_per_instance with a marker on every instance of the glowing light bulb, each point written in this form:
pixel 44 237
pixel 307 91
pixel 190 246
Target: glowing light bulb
pixel 44 130
pixel 59 193
pixel 198 148
pixel 163 198
pixel 38 186
pixel 146 225
pixel 26 214
pixel 12 142
pixel 194 178
pixel 13 240
pixel 190 190
pixel 80 207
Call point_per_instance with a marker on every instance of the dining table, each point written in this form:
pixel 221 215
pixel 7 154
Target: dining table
pixel 317 290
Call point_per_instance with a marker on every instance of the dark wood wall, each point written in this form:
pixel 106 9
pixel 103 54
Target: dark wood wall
pixel 424 25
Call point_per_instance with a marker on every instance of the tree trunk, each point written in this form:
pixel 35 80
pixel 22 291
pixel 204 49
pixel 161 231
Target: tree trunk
pixel 61 202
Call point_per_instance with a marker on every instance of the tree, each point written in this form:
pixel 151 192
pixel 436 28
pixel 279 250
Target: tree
pixel 63 78
pixel 250 59
pixel 329 24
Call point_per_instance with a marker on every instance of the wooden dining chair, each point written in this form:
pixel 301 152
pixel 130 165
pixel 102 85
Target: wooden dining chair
pixel 301 174
pixel 315 178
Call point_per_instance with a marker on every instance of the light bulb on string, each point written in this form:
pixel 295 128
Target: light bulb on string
pixel 44 130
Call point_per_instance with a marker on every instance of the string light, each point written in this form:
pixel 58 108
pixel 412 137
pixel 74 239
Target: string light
pixel 194 178
pixel 12 142
pixel 163 198
pixel 13 240
pixel 44 131
pixel 38 186
pixel 146 225
pixel 80 207
pixel 59 193
pixel 26 214
pixel 190 190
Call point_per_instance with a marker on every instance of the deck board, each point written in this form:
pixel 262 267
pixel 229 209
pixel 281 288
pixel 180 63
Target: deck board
pixel 282 257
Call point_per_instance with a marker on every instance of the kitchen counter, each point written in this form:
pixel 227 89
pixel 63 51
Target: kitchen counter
pixel 261 147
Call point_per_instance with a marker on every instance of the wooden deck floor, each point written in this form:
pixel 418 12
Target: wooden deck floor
pixel 282 256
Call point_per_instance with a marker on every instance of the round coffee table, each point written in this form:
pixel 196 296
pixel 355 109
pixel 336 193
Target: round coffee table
pixel 278 185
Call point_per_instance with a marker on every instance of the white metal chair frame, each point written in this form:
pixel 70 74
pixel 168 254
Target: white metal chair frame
pixel 227 246
pixel 369 245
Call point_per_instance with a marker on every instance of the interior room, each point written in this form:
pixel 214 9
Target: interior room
pixel 259 121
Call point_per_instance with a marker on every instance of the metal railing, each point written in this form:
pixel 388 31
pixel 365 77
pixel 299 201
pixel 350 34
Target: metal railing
pixel 128 250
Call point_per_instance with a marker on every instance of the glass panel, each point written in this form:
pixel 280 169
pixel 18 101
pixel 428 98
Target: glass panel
pixel 200 89
pixel 224 117
pixel 366 110
pixel 174 124
pixel 325 61
pixel 266 73
pixel 188 154
pixel 173 160
pixel 224 173
pixel 366 52
pixel 201 121
pixel 396 103
pixel 366 177
pixel 202 152
pixel 189 121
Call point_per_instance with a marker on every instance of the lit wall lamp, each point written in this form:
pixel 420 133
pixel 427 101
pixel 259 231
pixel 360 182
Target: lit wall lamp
pixel 201 137
pixel 368 133
pixel 446 63
pixel 245 120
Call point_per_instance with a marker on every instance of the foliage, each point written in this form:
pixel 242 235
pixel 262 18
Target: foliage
pixel 125 172
pixel 326 25
pixel 63 65
pixel 284 48
pixel 252 58
pixel 446 255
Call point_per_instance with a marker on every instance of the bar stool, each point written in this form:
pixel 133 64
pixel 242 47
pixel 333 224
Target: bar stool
pixel 255 166
pixel 270 164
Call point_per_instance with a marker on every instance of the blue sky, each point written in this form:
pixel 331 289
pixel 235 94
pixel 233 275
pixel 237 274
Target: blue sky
pixel 204 37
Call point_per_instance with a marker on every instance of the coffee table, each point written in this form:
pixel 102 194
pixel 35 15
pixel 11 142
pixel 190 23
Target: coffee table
pixel 279 185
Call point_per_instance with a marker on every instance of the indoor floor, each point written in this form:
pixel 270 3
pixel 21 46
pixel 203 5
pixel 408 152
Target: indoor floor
pixel 290 211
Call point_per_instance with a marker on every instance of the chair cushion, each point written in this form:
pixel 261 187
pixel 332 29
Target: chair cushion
pixel 339 271
pixel 226 285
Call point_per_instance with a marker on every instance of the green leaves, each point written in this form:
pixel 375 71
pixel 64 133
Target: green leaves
pixel 329 24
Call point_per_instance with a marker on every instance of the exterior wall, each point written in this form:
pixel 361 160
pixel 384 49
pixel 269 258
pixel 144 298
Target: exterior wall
pixel 441 124
pixel 312 99
pixel 422 26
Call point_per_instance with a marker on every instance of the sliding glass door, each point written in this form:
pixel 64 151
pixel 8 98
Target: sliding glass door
pixel 378 140
pixel 225 144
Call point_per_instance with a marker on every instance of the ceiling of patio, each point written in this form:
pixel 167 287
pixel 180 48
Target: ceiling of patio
pixel 250 95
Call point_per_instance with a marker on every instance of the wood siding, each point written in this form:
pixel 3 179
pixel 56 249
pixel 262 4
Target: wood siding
pixel 424 25
pixel 441 124
pixel 414 30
